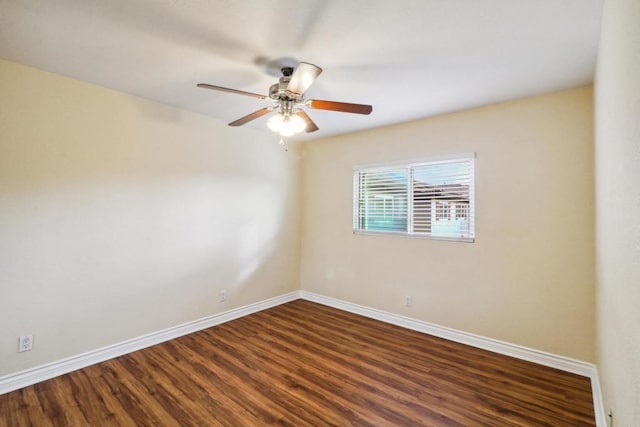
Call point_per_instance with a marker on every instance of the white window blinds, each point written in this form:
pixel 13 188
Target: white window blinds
pixel 430 199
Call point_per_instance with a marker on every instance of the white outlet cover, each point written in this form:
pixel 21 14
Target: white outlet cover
pixel 25 343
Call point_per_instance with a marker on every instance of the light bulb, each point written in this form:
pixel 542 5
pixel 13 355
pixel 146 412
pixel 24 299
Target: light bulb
pixel 286 125
pixel 291 125
pixel 285 131
pixel 297 123
pixel 275 122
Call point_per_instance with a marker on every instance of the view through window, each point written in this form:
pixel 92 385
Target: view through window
pixel 429 199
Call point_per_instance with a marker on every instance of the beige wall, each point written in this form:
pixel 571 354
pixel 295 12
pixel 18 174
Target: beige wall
pixel 618 209
pixel 529 277
pixel 120 217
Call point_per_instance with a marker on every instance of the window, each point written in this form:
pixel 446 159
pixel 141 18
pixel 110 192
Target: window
pixel 430 199
pixel 443 211
pixel 462 211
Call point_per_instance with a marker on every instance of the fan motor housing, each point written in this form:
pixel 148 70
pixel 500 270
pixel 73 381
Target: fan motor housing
pixel 278 91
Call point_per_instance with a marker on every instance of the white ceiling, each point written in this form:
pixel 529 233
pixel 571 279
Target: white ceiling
pixel 408 58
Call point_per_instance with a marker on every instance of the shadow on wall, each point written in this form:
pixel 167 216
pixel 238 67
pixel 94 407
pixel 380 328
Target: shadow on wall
pixel 113 224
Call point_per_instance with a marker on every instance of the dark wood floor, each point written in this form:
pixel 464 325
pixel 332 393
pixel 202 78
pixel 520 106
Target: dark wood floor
pixel 304 364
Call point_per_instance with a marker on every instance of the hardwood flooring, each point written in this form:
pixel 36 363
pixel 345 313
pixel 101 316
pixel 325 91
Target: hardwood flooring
pixel 304 364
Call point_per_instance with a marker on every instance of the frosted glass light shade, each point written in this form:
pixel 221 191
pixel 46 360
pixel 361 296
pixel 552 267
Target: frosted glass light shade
pixel 286 125
pixel 275 122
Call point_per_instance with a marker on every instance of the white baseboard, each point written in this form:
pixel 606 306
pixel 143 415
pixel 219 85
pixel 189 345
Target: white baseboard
pixel 41 373
pixel 532 355
pixel 44 372
pixel 598 403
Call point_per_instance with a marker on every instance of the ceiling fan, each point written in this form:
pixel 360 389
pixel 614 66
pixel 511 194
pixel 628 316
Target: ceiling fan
pixel 288 95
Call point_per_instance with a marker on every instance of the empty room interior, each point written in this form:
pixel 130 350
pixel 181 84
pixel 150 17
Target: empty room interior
pixel 245 213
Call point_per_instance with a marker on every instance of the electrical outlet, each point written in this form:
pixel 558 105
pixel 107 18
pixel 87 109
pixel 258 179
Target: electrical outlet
pixel 25 343
pixel 407 301
pixel 222 296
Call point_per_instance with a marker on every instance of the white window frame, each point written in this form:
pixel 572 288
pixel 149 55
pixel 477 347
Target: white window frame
pixel 410 165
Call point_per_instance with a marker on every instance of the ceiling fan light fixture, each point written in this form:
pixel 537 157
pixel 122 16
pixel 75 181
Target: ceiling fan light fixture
pixel 275 122
pixel 286 125
pixel 288 94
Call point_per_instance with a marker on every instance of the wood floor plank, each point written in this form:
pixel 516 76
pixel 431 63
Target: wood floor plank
pixel 351 381
pixel 304 364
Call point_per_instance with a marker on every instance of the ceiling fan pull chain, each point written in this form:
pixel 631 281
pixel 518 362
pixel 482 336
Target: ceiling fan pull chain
pixel 283 142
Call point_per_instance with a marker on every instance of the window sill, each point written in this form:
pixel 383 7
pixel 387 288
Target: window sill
pixel 414 236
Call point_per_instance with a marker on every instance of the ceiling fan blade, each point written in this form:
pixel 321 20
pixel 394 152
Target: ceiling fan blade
pixel 252 116
pixel 311 126
pixel 226 89
pixel 302 78
pixel 345 107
